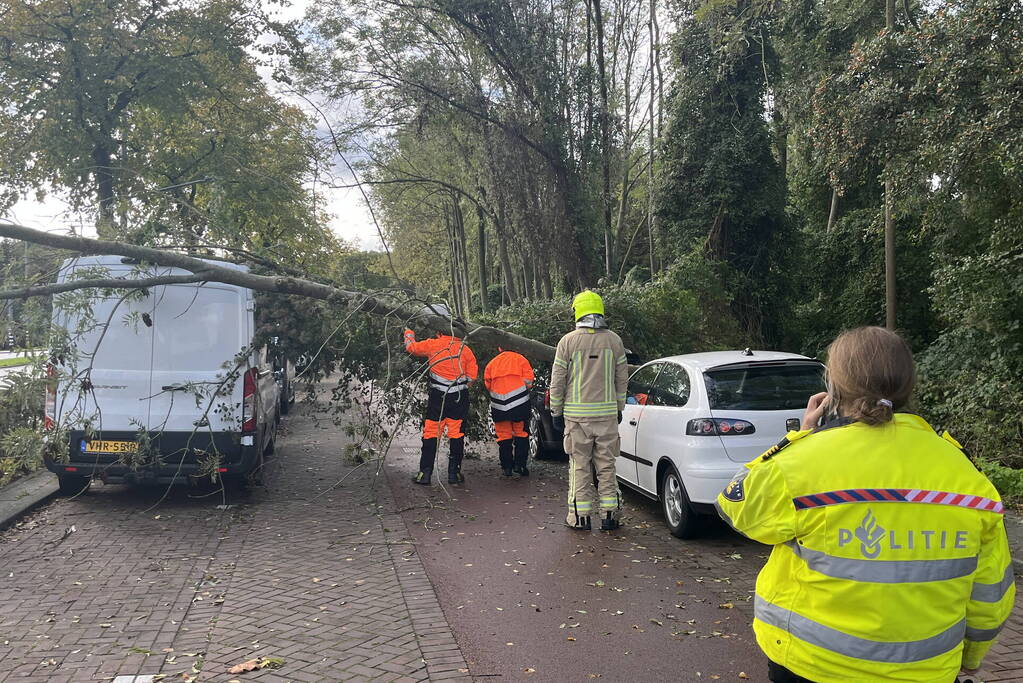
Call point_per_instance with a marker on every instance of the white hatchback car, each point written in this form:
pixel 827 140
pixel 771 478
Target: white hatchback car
pixel 691 421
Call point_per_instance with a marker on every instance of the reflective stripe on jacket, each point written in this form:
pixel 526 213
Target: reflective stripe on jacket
pixel 890 561
pixel 589 376
pixel 508 378
pixel 452 362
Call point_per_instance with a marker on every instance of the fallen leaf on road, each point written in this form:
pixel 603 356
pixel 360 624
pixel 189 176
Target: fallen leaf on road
pixel 726 605
pixel 529 671
pixel 258 663
pixel 571 638
pixel 654 621
pixel 743 675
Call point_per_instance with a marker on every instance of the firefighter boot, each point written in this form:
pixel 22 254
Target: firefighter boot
pixel 521 455
pixel 581 522
pixel 426 460
pixel 608 522
pixel 456 451
pixel 504 454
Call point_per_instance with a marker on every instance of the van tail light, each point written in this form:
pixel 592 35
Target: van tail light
pixel 249 402
pixel 50 410
pixel 719 426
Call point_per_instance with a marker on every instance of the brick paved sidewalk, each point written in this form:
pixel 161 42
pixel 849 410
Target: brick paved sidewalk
pixel 323 578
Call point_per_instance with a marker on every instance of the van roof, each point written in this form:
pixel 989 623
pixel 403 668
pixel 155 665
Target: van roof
pixel 110 260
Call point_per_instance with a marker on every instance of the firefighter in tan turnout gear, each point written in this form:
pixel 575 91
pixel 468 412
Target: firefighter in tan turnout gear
pixel 588 384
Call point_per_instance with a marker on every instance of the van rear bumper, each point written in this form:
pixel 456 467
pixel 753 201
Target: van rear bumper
pixel 173 457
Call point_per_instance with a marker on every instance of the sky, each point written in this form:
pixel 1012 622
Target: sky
pixel 350 220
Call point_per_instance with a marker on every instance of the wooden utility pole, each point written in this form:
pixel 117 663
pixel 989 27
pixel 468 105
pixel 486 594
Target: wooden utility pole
pixel 889 223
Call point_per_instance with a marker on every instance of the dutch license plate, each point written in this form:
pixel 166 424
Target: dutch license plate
pixel 102 446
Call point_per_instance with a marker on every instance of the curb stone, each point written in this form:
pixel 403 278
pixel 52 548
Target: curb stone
pixel 25 493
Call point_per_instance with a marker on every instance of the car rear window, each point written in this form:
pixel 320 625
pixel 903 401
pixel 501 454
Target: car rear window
pixel 764 386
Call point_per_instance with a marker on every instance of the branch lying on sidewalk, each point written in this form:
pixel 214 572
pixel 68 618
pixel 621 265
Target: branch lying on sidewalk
pixel 204 271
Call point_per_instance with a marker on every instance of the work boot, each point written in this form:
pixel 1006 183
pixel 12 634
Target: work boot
pixel 426 459
pixel 582 523
pixel 428 455
pixel 521 455
pixel 455 454
pixel 609 522
pixel 504 454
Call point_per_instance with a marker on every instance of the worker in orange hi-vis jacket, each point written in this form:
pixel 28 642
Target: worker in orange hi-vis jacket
pixel 509 378
pixel 452 365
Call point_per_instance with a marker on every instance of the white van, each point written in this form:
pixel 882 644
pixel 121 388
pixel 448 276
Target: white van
pixel 157 385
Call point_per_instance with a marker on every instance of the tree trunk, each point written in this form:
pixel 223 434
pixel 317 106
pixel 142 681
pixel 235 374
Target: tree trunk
pixel 889 222
pixel 833 213
pixel 651 137
pixel 605 135
pixel 463 256
pixel 481 259
pixel 104 177
pixel 453 298
pixel 208 272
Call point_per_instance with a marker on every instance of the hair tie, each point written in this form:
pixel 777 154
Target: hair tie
pixel 884 402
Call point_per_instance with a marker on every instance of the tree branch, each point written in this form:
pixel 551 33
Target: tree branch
pixel 101 283
pixel 207 272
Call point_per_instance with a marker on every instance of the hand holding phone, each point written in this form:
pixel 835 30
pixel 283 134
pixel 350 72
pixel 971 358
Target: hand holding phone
pixel 815 408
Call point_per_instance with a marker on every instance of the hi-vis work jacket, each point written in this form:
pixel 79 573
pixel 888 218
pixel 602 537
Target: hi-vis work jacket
pixel 508 378
pixel 452 362
pixel 890 558
pixel 590 375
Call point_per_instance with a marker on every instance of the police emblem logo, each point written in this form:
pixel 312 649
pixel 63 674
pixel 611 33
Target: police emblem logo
pixel 734 491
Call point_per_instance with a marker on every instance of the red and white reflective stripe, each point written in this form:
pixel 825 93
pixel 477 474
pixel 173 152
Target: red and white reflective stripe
pixel 956 499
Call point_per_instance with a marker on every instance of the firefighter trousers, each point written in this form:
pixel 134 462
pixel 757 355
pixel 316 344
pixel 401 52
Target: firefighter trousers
pixel 592 448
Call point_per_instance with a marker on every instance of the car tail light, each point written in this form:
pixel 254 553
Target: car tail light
pixel 719 426
pixel 547 399
pixel 50 410
pixel 249 401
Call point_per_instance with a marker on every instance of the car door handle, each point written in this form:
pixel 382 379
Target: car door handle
pixel 633 422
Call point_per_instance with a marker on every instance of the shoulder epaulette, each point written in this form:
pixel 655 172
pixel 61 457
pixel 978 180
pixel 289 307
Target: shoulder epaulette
pixel 787 440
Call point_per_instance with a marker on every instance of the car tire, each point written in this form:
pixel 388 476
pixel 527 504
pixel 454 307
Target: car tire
pixel 285 403
pixel 73 484
pixel 678 513
pixel 536 449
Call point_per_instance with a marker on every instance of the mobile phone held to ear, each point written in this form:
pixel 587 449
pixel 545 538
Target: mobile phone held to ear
pixel 830 413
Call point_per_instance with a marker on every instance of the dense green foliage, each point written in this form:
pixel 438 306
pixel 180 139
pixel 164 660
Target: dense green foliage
pixel 714 168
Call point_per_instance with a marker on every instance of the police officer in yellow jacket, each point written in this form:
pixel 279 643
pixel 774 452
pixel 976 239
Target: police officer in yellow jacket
pixel 890 558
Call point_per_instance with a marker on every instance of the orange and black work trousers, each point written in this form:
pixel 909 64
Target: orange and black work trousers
pixel 444 413
pixel 512 444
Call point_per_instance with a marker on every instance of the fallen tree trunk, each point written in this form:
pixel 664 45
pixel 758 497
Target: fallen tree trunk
pixel 204 271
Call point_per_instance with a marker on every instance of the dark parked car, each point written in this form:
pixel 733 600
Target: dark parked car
pixel 545 441
pixel 284 374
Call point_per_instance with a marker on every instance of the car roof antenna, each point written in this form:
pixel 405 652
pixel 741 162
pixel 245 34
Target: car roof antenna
pixel 747 351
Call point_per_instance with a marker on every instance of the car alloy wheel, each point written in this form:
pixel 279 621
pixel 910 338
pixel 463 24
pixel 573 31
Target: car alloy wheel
pixel 682 521
pixel 534 435
pixel 673 500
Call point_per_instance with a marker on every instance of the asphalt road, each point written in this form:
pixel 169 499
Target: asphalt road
pixel 530 599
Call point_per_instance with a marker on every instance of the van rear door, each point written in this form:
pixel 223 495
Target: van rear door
pixel 109 384
pixel 197 334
